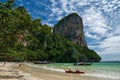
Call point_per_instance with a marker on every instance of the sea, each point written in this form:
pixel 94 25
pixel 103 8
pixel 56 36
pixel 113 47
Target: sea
pixel 104 70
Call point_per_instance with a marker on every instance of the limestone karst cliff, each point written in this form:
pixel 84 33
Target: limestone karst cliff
pixel 71 27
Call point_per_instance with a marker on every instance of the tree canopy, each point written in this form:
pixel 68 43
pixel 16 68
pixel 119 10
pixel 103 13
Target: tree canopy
pixel 25 39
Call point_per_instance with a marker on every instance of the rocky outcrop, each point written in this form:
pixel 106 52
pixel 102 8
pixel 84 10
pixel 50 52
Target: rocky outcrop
pixel 71 27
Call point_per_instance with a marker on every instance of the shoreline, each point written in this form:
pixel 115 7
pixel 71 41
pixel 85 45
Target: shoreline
pixel 28 71
pixel 52 74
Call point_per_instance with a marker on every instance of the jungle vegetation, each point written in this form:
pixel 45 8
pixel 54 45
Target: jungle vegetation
pixel 25 39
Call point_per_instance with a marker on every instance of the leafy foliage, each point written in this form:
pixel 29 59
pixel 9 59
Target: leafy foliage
pixel 24 39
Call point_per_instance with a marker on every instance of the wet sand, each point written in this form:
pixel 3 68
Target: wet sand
pixel 12 71
pixel 45 74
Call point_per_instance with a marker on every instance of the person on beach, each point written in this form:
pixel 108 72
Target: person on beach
pixel 4 63
pixel 77 70
pixel 20 65
pixel 70 69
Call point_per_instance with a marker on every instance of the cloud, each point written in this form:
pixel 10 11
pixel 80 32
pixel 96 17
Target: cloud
pixel 94 20
pixel 94 23
pixel 92 36
pixel 64 7
pixel 44 22
pixel 110 45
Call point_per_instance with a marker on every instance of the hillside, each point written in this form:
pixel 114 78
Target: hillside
pixel 25 39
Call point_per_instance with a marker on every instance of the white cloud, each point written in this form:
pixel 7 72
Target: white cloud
pixel 92 36
pixel 94 22
pixel 110 45
pixel 66 6
pixel 104 2
pixel 51 25
pixel 80 3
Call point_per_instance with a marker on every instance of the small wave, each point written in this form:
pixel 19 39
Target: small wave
pixel 53 69
pixel 104 75
pixel 45 67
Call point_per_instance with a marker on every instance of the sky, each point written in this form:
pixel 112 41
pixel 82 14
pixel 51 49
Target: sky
pixel 101 20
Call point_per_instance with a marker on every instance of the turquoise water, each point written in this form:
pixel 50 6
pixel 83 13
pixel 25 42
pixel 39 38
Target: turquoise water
pixel 106 70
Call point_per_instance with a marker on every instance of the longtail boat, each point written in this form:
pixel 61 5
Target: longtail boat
pixel 75 72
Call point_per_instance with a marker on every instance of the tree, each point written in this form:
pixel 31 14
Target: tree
pixel 22 38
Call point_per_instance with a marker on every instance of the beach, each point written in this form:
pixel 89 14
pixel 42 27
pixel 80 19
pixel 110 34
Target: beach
pixel 28 71
pixel 12 71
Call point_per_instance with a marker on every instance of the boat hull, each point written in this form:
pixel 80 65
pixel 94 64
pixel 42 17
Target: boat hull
pixel 41 62
pixel 75 72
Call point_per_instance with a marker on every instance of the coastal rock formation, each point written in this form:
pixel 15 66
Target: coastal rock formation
pixel 71 27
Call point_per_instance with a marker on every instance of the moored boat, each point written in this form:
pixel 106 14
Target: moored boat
pixel 41 62
pixel 83 63
pixel 75 72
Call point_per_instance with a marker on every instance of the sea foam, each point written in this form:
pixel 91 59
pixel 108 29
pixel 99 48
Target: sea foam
pixel 111 75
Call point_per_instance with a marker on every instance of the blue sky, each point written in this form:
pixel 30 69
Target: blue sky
pixel 101 20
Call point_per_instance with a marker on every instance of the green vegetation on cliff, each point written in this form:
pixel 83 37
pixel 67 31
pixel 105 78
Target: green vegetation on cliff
pixel 25 39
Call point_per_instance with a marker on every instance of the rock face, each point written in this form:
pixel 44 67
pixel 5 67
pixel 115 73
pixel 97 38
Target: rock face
pixel 71 27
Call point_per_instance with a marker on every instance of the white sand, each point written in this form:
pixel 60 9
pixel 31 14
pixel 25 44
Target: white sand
pixel 11 72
